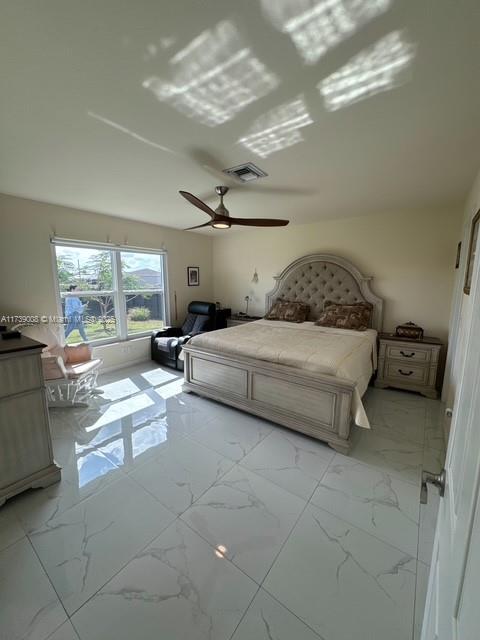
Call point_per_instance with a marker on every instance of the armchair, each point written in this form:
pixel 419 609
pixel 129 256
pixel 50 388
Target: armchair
pixel 70 372
pixel 166 345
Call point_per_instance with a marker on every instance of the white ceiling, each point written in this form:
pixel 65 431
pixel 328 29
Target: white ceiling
pixel 114 106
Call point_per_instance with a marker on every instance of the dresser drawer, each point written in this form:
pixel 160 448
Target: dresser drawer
pixel 406 372
pixel 410 353
pixel 24 436
pixel 19 374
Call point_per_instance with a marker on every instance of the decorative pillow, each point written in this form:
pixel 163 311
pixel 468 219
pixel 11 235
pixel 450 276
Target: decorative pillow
pixel 355 316
pixel 288 311
pixel 77 354
pixel 274 312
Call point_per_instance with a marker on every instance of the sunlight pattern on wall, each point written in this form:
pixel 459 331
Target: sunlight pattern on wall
pixel 316 26
pixel 376 69
pixel 277 129
pixel 214 77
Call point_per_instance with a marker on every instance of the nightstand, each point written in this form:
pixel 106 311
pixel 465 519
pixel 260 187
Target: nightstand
pixel 234 321
pixel 408 364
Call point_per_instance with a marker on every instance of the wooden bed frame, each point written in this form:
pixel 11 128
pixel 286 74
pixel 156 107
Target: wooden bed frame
pixel 315 404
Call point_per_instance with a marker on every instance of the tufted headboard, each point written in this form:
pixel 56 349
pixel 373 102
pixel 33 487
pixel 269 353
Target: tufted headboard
pixel 319 277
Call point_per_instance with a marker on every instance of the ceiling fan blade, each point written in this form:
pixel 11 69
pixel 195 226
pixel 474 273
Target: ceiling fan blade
pixel 198 226
pixel 198 203
pixel 259 222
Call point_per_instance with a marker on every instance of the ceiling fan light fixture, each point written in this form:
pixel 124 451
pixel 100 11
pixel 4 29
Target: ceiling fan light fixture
pixel 220 224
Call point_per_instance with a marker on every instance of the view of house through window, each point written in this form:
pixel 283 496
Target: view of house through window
pixel 109 293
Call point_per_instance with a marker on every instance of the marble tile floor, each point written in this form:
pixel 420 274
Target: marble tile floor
pixel 181 519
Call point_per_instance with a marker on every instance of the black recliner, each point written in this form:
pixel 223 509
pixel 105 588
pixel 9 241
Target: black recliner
pixel 167 344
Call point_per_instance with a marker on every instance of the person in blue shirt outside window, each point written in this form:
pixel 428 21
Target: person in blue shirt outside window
pixel 73 311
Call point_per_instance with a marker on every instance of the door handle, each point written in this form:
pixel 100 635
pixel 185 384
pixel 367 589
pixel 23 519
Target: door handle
pixel 437 479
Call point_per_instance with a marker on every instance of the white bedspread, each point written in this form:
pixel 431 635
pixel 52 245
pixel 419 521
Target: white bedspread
pixel 337 352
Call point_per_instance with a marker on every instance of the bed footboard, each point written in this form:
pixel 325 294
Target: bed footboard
pixel 315 404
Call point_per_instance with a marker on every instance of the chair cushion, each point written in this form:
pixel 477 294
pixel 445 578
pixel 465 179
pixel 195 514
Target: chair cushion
pixel 78 370
pixel 166 343
pixel 51 368
pixel 201 324
pixel 189 323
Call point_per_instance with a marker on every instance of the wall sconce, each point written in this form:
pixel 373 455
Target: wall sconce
pixel 255 276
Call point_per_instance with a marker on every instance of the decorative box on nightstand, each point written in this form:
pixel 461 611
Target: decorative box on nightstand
pixel 408 364
pixel 235 320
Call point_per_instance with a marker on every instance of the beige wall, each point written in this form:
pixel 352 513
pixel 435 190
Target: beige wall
pixel 27 282
pixel 410 255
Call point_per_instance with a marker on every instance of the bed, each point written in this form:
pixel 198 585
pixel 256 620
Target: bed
pixel 308 378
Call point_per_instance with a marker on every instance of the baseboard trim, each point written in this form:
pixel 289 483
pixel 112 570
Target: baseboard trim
pixel 131 363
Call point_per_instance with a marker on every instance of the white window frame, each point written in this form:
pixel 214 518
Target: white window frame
pixel 118 293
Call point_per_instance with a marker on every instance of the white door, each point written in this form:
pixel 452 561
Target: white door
pixel 452 610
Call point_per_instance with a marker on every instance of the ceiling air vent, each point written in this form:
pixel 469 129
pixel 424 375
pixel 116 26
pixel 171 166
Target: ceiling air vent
pixel 246 172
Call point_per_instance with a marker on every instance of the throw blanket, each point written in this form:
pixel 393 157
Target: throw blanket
pixel 336 352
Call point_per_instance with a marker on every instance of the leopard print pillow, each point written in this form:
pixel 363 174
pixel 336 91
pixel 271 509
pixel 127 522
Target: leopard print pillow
pixel 356 316
pixel 288 311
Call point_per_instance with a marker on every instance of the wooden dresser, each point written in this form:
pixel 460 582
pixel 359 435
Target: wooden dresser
pixel 26 457
pixel 408 364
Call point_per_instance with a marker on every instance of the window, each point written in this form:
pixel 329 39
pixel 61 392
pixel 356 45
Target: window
pixel 109 293
pixel 142 284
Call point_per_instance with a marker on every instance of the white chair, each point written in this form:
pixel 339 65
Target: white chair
pixel 70 372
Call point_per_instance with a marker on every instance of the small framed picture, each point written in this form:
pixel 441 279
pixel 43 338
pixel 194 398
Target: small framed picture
pixel 193 276
pixel 459 253
pixel 471 253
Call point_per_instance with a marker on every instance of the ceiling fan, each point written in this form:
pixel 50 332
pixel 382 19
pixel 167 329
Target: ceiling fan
pixel 221 219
